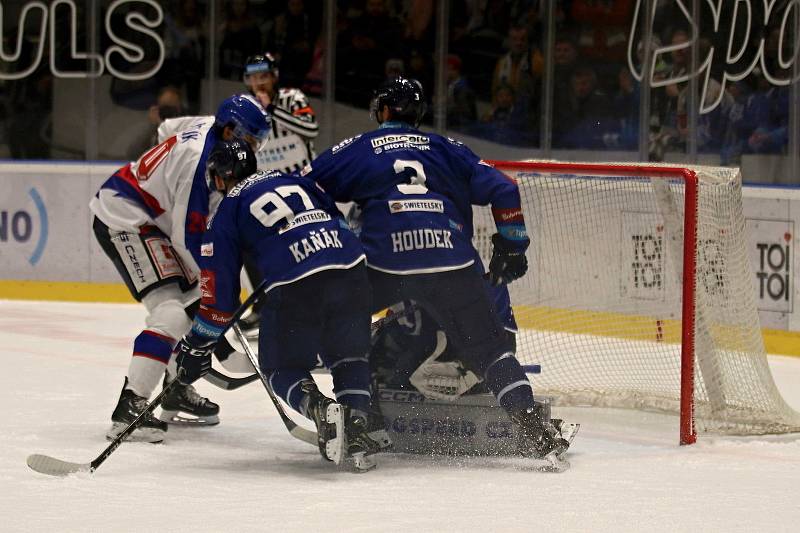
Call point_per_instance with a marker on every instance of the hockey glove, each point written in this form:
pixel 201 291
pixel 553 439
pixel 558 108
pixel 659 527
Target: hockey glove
pixel 194 357
pixel 507 263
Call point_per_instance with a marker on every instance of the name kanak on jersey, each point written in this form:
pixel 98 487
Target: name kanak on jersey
pixel 315 242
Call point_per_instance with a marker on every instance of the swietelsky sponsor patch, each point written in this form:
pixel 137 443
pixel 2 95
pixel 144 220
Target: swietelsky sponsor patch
pixel 430 206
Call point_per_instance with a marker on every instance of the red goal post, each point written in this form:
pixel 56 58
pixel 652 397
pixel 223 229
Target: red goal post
pixel 639 293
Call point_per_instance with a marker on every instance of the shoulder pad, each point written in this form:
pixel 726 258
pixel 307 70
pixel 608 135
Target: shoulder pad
pixel 344 144
pixel 252 180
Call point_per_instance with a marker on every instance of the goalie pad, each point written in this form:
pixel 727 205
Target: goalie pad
pixel 442 380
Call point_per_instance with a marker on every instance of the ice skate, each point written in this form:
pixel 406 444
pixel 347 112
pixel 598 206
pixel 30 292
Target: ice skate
pixel 360 443
pixel 184 406
pixel 564 430
pixel 376 430
pixel 128 408
pixel 538 438
pixel 328 416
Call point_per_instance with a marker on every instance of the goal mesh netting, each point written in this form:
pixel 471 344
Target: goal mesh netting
pixel 602 305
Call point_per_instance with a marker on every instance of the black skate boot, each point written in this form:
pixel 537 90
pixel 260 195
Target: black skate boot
pixel 128 408
pixel 376 428
pixel 537 438
pixel 184 400
pixel 360 443
pixel 328 416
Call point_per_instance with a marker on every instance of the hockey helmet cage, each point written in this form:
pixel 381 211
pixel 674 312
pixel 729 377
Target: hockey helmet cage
pixel 233 161
pixel 246 116
pixel 265 62
pixel 404 98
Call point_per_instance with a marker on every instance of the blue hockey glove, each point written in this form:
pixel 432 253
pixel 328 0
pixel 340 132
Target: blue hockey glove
pixel 507 263
pixel 194 357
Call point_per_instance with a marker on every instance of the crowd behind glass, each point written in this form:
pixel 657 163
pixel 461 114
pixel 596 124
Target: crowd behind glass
pixel 523 73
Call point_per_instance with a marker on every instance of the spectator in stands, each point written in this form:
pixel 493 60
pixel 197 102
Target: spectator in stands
pixel 419 31
pixel 241 38
pixel 565 58
pixel 292 38
pixel 664 104
pixel 765 120
pixel 582 116
pixel 169 104
pixel 462 110
pixel 395 67
pixel 185 44
pixel 506 122
pixel 604 27
pixel 364 47
pixel 521 67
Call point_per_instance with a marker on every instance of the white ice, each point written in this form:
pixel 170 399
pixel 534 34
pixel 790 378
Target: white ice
pixel 63 366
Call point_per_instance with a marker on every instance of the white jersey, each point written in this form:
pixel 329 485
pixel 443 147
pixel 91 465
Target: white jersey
pixel 166 188
pixel 289 146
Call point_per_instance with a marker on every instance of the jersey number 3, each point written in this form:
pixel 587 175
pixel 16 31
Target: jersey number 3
pixel 416 176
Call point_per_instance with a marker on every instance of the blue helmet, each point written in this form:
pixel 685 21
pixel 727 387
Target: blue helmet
pixel 246 116
pixel 404 98
pixel 231 160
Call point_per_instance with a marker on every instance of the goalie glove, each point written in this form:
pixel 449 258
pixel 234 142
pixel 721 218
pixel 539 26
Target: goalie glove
pixel 508 263
pixel 442 380
pixel 194 357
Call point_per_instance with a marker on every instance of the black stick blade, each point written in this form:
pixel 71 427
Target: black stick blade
pixel 56 467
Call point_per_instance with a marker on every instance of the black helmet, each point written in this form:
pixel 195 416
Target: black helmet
pixel 405 100
pixel 265 62
pixel 231 160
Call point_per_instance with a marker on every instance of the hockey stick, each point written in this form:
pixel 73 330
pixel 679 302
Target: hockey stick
pixel 225 382
pixel 56 467
pixel 295 431
pixel 51 466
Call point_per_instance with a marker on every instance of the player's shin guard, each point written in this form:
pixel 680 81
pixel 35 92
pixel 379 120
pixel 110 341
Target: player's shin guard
pixel 287 384
pixel 509 384
pixel 151 353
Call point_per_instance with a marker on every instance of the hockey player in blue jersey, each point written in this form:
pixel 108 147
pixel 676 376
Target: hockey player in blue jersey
pixel 416 192
pixel 149 217
pixel 316 300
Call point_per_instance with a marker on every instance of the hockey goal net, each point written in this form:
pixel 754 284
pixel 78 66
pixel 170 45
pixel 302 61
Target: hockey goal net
pixel 639 294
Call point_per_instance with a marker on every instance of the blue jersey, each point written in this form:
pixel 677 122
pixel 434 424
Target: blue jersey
pixel 287 224
pixel 416 192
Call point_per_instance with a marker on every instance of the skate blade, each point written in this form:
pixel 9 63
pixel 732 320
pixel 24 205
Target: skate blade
pixel 179 419
pixel 363 463
pixel 552 463
pixel 335 447
pixel 140 434
pixel 381 436
pixel 568 431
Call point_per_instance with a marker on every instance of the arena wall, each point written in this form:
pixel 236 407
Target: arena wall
pixel 47 251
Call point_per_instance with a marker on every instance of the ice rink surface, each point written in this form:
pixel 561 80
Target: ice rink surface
pixel 63 366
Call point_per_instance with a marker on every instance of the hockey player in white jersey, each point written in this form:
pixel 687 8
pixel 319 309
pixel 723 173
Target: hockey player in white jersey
pixel 149 218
